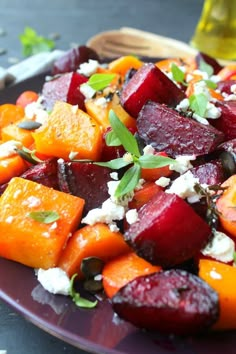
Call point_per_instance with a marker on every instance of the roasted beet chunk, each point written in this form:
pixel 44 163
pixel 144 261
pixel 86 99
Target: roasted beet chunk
pixel 149 83
pixel 226 123
pixel 72 59
pixel 167 130
pixel 65 88
pixel 210 61
pixel 85 180
pixel 164 233
pixel 210 173
pixel 172 301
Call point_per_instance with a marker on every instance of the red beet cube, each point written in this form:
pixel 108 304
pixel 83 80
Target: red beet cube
pixel 167 130
pixel 168 231
pixel 211 173
pixel 227 121
pixel 65 88
pixel 149 83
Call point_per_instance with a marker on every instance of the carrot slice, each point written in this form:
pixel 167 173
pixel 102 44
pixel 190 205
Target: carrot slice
pixel 67 130
pixel 220 277
pixel 120 270
pixel 143 195
pixel 91 241
pixel 36 243
pixel 26 97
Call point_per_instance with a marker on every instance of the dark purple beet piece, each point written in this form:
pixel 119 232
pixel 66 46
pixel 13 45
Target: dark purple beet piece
pixel 227 121
pixel 225 86
pixel 65 88
pixel 166 130
pixel 44 173
pixel 85 180
pixel 164 233
pixel 170 302
pixel 71 60
pixel 210 61
pixel 149 83
pixel 211 173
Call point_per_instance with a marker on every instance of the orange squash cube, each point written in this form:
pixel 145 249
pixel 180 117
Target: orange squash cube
pixel 28 241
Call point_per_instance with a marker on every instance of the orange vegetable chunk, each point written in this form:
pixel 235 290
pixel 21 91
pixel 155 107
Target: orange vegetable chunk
pixel 11 167
pixel 221 278
pixel 91 241
pixel 10 113
pixel 26 97
pixel 123 64
pixel 67 130
pixel 226 206
pixel 13 132
pixel 122 269
pixel 25 240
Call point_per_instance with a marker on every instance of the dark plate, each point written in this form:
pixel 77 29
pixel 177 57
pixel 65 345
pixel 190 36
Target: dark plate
pixel 97 330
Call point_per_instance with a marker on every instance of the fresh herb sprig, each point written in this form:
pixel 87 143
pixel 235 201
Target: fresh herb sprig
pixel 32 43
pixel 44 216
pixel 100 81
pixel 120 135
pixel 178 74
pixel 79 300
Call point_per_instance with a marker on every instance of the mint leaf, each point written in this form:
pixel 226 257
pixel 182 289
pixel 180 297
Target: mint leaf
pixel 211 84
pixel 46 217
pixel 154 161
pixel 123 134
pixel 32 43
pixel 198 104
pixel 112 139
pixel 115 164
pixel 177 73
pixel 78 300
pixel 129 180
pixel 100 81
pixel 203 66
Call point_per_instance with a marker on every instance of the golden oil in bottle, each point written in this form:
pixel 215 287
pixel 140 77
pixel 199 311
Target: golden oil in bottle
pixel 215 33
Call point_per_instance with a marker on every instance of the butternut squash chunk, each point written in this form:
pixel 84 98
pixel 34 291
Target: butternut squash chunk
pixel 67 130
pixel 13 132
pixel 28 241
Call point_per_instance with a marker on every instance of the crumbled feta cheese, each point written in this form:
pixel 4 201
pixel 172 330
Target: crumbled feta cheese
pixel 212 111
pixel 140 184
pixel 183 105
pixel 74 108
pixel 124 200
pixel 131 216
pixel 215 79
pixel 230 97
pixel 200 119
pixel 128 157
pixel 203 74
pixel 109 212
pixel 32 202
pixel 183 186
pixel 114 175
pixel 113 227
pixel 163 181
pixel 221 248
pixel 182 163
pixel 215 275
pixel 36 111
pixel 87 91
pixel 72 155
pixel 89 68
pixel 55 280
pixel 101 101
pixel 233 89
pixel 200 87
pixel 9 148
pixel 148 150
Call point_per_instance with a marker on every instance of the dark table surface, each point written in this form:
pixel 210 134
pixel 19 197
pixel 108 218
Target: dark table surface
pixel 76 21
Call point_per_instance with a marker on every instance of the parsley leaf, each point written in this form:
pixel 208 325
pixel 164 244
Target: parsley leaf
pixel 78 300
pixel 198 104
pixel 154 161
pixel 211 84
pixel 123 134
pixel 100 81
pixel 32 43
pixel 129 180
pixel 178 74
pixel 46 217
pixel 115 164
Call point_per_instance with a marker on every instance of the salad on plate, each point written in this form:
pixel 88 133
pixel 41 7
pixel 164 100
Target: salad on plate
pixel 121 176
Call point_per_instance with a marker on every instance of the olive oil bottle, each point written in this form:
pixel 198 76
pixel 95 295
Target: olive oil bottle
pixel 215 33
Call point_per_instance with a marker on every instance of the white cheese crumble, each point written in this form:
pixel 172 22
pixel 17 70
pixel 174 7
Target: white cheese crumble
pixel 74 108
pixel 8 149
pixel 131 216
pixel 162 181
pixel 89 68
pixel 128 157
pixel 183 186
pixel 87 91
pixel 221 248
pixel 101 101
pixel 200 119
pixel 55 280
pixel 114 175
pixel 36 111
pixel 183 105
pixel 215 275
pixel 148 150
pixel 182 163
pixel 32 202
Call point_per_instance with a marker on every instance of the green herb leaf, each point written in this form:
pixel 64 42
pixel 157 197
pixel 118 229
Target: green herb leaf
pixel 178 74
pixel 100 81
pixel 32 43
pixel 155 161
pixel 129 180
pixel 234 255
pixel 111 139
pixel 78 300
pixel 203 66
pixel 115 164
pixel 198 104
pixel 46 217
pixel 123 134
pixel 211 84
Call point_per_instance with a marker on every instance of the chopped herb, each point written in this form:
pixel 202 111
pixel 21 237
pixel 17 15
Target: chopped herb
pixel 129 180
pixel 100 81
pixel 178 74
pixel 153 161
pixel 32 43
pixel 198 104
pixel 112 139
pixel 78 300
pixel 203 66
pixel 211 84
pixel 46 217
pixel 115 164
